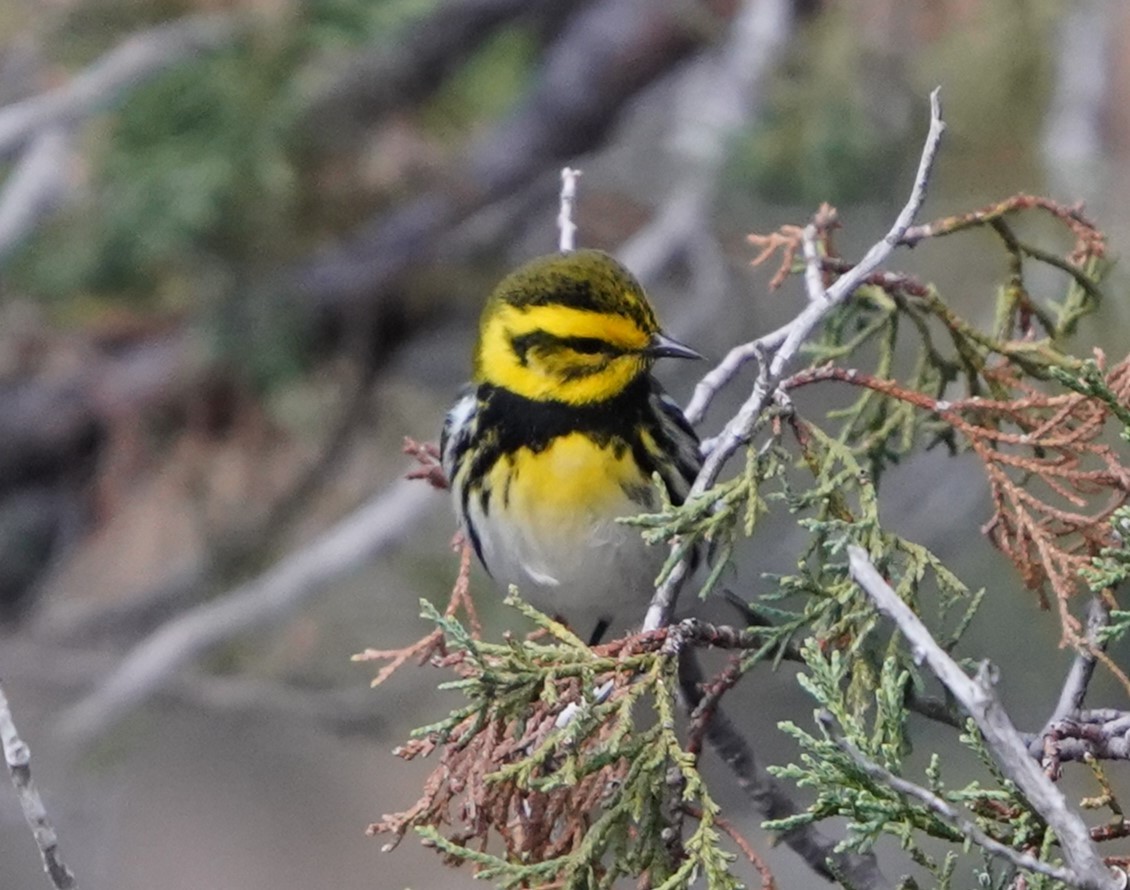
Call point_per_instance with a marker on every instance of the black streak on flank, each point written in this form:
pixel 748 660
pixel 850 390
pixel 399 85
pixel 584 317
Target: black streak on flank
pixel 644 495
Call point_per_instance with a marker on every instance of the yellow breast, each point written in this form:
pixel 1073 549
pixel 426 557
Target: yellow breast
pixel 549 526
pixel 574 478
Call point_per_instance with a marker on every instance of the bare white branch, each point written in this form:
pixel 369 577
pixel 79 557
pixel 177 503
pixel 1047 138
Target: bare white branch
pixel 779 348
pixel 820 303
pixel 567 229
pixel 124 67
pixel 383 522
pixel 784 342
pixel 813 274
pixel 724 372
pixel 977 697
pixel 18 757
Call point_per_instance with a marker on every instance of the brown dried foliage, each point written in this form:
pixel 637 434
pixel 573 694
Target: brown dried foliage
pixel 506 781
pixel 431 645
pixel 464 790
pixel 1053 475
pixel 787 240
pixel 1054 479
pixel 535 817
pixel 1089 243
pixel 428 457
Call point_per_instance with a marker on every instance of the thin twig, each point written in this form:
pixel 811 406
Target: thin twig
pixel 709 703
pixel 820 303
pixel 784 344
pixel 18 757
pixel 1083 667
pixel 980 701
pixel 567 229
pixel 767 881
pixel 1089 736
pixel 432 643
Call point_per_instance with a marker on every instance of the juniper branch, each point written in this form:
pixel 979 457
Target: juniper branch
pixel 1088 872
pixel 768 797
pixel 943 809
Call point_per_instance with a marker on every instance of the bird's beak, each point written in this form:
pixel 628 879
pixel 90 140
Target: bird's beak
pixel 662 346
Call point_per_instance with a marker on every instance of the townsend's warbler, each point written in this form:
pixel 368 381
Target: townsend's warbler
pixel 560 433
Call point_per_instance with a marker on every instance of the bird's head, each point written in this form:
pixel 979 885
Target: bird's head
pixel 570 327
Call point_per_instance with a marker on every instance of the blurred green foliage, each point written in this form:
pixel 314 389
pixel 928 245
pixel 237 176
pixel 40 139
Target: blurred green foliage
pixel 197 169
pixel 821 136
pixel 845 109
pixel 203 182
pixel 192 169
pixel 486 86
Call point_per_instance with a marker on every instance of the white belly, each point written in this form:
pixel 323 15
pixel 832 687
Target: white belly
pixel 556 537
pixel 609 576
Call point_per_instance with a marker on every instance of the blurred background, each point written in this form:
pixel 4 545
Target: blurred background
pixel 243 246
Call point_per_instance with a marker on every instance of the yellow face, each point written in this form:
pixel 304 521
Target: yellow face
pixel 555 352
pixel 573 328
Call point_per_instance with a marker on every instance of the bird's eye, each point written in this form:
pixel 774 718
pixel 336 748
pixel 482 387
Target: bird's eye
pixel 587 345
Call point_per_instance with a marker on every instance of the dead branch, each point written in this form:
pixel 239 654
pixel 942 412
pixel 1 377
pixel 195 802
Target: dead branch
pixel 432 644
pixel 375 527
pixel 18 757
pixel 1074 690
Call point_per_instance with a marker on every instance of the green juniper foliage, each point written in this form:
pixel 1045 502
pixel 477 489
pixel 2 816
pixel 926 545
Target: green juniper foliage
pixel 565 766
pixel 526 766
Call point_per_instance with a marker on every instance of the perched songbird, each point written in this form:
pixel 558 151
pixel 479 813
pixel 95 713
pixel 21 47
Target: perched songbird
pixel 560 433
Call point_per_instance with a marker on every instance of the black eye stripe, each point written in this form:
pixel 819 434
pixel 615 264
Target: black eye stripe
pixel 588 345
pixel 523 343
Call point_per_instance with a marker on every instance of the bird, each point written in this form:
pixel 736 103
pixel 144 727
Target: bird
pixel 562 431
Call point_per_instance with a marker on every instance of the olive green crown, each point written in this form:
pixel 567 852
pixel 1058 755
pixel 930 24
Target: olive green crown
pixel 582 279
